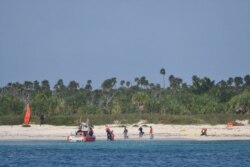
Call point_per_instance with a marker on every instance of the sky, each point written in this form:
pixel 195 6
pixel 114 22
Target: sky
pixel 95 40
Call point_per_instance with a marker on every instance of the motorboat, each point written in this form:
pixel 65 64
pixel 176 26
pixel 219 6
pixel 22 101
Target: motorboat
pixel 84 133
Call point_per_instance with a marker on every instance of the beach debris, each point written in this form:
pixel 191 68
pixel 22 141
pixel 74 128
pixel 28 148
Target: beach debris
pixel 234 123
pixel 142 122
pixel 229 125
pixel 117 122
pixel 244 122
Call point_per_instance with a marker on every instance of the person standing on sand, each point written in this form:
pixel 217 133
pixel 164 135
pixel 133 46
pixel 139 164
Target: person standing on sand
pixel 151 132
pixel 204 132
pixel 42 119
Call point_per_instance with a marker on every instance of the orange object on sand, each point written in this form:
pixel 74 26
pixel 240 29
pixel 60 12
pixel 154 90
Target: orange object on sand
pixel 230 124
pixel 27 115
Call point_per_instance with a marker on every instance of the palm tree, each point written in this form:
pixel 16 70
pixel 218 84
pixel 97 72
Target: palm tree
pixel 46 87
pixel 171 80
pixel 247 80
pixel 108 84
pixel 196 86
pixel 222 84
pixel 137 81
pixel 238 81
pixel 143 81
pixel 206 84
pixel 128 84
pixel 163 73
pixel 88 85
pixel 60 88
pixel 37 86
pixel 59 85
pixel 73 86
pixel 230 81
pixel 122 82
pixel 28 85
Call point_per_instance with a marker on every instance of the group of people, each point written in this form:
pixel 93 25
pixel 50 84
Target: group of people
pixel 110 133
pixel 84 130
pixel 141 133
pixel 111 136
pixel 80 132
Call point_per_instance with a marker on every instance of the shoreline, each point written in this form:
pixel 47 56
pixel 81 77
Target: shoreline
pixel 161 132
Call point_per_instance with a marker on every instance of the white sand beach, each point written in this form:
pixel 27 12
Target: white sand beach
pixel 161 132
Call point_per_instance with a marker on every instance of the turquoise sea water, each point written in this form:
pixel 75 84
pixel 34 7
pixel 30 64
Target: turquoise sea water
pixel 125 153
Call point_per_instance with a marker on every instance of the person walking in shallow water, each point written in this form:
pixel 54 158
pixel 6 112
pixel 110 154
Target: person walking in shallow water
pixel 125 133
pixel 140 132
pixel 110 133
pixel 151 132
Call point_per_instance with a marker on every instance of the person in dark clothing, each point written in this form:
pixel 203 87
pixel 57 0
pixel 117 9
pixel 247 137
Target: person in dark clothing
pixel 42 119
pixel 91 132
pixel 204 132
pixel 141 133
pixel 110 135
pixel 125 133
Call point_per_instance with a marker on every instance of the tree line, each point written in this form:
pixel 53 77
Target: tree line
pixel 203 96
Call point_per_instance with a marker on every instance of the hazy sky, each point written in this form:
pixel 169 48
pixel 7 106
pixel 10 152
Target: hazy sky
pixel 99 39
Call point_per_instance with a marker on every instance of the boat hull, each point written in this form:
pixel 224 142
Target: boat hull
pixel 72 138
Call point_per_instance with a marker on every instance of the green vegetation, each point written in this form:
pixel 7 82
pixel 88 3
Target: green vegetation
pixel 204 101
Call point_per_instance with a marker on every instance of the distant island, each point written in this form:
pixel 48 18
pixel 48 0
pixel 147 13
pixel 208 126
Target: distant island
pixel 204 101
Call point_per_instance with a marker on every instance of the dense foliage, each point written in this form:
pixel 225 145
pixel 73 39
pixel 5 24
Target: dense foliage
pixel 203 96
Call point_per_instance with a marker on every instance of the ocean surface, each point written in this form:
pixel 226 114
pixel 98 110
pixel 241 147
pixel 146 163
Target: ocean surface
pixel 149 153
